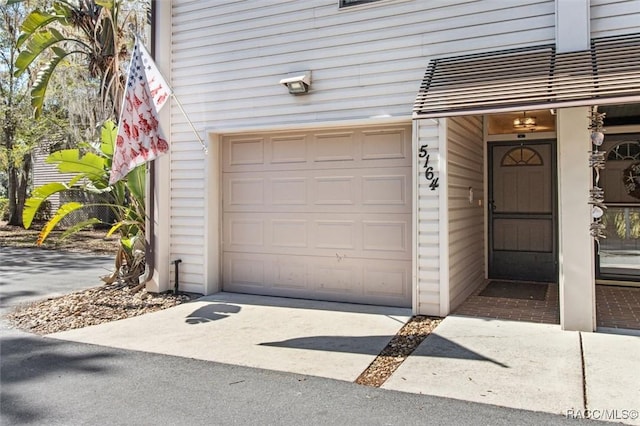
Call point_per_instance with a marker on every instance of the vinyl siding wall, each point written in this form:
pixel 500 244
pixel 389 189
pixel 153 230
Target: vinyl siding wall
pixel 465 169
pixel 44 172
pixel 227 59
pixel 429 225
pixel 614 17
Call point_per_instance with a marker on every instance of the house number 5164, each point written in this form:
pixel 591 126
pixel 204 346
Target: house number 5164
pixel 428 170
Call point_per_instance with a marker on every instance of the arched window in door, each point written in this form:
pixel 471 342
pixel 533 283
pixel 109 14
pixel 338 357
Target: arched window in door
pixel 627 150
pixel 521 156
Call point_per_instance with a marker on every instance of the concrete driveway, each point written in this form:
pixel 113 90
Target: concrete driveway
pixel 333 340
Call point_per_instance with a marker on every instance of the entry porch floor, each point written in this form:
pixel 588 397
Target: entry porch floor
pixel 616 307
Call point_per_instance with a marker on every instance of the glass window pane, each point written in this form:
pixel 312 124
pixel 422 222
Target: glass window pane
pixel 345 3
pixel 620 250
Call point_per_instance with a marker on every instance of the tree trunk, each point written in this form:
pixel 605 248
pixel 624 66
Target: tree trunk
pixel 14 218
pixel 18 186
pixel 23 185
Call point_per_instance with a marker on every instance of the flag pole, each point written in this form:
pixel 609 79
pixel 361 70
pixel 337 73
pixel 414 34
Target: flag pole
pixel 204 147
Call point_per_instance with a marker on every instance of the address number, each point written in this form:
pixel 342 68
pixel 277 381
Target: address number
pixel 428 170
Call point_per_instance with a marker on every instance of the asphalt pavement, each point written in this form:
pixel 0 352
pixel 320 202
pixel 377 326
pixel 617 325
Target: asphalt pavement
pixel 51 382
pixel 27 275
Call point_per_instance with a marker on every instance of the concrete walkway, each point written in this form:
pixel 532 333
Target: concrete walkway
pixel 530 366
pixel 535 367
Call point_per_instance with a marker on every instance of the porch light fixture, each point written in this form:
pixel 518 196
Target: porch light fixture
pixel 298 83
pixel 524 122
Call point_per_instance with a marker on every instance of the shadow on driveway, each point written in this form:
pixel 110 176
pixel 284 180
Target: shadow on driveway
pixel 432 346
pixel 211 312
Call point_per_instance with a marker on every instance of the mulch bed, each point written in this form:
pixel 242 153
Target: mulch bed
pixel 399 348
pixel 106 303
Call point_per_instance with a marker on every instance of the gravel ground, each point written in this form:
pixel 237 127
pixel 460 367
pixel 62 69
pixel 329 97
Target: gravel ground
pixel 399 348
pixel 111 302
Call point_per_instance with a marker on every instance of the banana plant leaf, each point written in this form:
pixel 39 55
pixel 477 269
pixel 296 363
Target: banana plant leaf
pixel 90 165
pixel 79 226
pixel 62 212
pixel 39 195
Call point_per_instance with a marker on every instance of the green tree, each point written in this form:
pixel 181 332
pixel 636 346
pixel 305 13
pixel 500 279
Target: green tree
pixel 15 151
pixel 91 33
pixel 66 120
pixel 86 31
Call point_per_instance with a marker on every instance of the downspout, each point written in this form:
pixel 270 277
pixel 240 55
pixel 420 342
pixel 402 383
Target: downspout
pixel 150 240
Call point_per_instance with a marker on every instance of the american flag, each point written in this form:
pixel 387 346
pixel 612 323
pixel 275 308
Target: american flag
pixel 139 137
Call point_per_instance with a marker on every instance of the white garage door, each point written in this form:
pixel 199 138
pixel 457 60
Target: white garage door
pixel 319 215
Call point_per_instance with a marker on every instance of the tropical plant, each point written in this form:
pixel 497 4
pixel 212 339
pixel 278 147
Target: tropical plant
pixel 91 167
pixel 15 158
pixel 20 132
pixel 93 33
pixel 85 28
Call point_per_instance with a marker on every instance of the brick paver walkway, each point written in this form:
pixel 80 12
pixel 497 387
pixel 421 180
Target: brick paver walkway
pixel 616 307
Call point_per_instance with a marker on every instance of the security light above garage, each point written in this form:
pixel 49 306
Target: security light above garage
pixel 298 83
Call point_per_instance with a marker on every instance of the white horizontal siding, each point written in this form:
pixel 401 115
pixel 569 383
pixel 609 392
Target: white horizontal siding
pixel 465 169
pixel 44 172
pixel 428 223
pixel 227 59
pixel 614 17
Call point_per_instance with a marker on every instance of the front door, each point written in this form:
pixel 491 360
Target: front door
pixel 522 211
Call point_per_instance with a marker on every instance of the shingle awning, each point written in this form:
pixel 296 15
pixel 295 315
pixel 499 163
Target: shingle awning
pixel 532 78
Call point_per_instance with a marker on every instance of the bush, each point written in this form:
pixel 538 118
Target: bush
pixel 44 212
pixel 4 209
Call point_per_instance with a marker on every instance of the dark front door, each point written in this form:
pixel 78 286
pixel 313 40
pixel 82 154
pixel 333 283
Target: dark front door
pixel 522 211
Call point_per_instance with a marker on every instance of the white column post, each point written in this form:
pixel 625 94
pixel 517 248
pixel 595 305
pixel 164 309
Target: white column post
pixel 576 268
pixel 573 25
pixel 577 279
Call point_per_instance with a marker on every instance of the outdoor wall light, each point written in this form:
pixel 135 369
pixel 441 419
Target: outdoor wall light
pixel 298 83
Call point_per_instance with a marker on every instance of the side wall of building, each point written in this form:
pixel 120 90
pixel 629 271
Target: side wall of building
pixel 226 61
pixel 465 169
pixel 614 17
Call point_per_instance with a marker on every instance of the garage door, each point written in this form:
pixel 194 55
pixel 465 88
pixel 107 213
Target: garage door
pixel 319 215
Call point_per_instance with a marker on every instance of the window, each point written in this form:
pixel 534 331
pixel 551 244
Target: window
pixel 347 3
pixel 521 156
pixel 619 254
pixel 625 151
